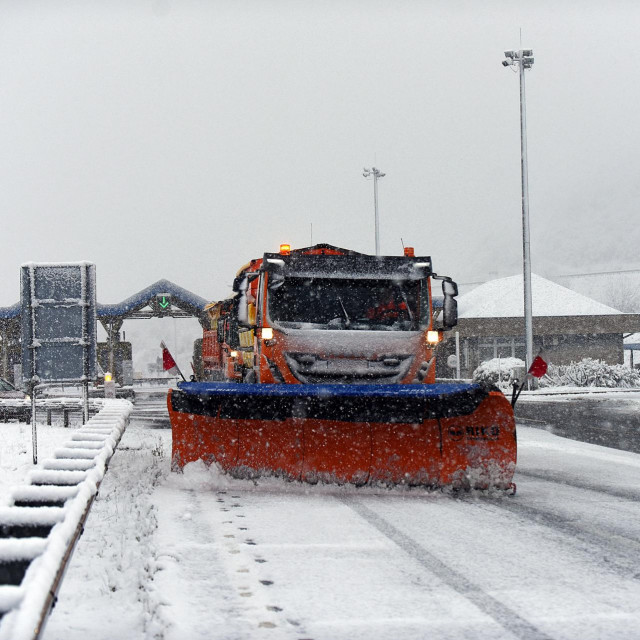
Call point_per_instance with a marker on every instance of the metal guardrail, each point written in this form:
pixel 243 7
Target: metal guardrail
pixel 17 409
pixel 38 533
pixel 168 381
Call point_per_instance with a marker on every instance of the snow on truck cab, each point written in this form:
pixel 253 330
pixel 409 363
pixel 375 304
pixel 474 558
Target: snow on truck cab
pixel 333 353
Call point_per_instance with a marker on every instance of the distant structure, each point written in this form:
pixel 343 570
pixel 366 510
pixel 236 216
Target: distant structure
pixel 160 299
pixel 569 325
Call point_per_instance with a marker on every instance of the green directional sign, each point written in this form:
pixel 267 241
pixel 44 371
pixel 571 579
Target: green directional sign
pixel 162 303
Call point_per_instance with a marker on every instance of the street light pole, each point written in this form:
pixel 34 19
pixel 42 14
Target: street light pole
pixel 523 60
pixel 376 173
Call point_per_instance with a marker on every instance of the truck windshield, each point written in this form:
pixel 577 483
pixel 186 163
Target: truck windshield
pixel 334 303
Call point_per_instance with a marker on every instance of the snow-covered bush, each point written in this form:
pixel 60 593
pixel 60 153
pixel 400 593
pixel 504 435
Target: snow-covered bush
pixel 590 373
pixel 498 371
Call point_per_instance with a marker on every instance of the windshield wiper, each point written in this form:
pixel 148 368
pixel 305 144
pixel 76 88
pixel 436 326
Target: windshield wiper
pixel 346 315
pixel 404 297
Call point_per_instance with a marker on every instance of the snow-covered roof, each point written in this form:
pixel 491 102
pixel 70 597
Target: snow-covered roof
pixel 504 298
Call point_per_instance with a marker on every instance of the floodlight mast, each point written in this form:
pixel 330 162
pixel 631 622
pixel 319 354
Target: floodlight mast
pixel 523 60
pixel 376 173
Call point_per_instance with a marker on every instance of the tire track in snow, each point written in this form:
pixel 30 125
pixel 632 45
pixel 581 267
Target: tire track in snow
pixel 559 478
pixel 503 615
pixel 622 550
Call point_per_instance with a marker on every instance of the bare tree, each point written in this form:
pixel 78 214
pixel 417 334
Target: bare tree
pixel 624 294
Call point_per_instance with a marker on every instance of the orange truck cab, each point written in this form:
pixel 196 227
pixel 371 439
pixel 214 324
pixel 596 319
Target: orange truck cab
pixel 328 315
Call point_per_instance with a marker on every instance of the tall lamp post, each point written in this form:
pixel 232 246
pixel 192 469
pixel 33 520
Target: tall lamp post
pixel 522 60
pixel 376 173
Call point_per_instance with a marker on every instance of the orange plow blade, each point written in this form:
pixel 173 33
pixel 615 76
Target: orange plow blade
pixel 459 435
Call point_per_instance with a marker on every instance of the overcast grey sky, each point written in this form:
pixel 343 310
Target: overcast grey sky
pixel 177 140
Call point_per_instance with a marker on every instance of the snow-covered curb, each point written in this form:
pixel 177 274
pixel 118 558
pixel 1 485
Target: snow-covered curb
pixel 69 477
pixel 573 391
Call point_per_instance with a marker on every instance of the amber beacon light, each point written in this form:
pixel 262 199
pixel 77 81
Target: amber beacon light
pixel 285 249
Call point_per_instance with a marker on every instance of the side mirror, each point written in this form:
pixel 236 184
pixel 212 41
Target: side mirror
pixel 450 313
pixel 450 305
pixel 450 310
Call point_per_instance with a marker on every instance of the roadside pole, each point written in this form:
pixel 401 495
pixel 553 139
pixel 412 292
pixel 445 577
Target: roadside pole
pixel 34 429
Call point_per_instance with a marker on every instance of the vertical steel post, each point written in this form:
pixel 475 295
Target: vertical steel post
pixel 375 206
pixel 111 348
pixel 34 379
pixel 84 284
pixel 458 355
pixel 376 174
pixel 85 402
pixel 4 340
pixel 34 430
pixel 526 255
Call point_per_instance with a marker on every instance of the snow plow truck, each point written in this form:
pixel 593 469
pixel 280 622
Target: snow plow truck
pixel 320 367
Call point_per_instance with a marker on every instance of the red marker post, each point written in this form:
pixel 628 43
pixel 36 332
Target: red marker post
pixel 537 369
pixel 168 363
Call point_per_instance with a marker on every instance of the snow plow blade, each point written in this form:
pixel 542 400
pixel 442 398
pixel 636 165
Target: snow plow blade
pixel 458 435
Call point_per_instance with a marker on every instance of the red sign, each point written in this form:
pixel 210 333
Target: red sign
pixel 168 363
pixel 539 365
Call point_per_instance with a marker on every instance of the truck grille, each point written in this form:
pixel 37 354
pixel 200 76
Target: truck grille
pixel 312 369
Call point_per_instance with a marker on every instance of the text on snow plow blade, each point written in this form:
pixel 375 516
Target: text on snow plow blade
pixel 333 353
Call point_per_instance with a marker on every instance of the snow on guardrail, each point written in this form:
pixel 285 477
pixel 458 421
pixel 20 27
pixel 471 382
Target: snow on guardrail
pixel 39 531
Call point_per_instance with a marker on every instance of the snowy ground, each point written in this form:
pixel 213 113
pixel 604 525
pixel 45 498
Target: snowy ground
pixel 16 452
pixel 199 556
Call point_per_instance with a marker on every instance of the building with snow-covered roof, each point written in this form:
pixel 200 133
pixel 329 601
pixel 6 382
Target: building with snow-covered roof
pixel 569 325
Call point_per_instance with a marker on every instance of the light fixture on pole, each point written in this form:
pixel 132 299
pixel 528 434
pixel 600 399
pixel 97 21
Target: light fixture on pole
pixel 522 60
pixel 376 173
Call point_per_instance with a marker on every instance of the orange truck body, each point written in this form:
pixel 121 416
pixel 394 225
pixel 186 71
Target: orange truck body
pixel 307 379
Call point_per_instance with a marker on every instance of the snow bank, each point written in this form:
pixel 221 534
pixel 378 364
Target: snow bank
pixel 28 605
pixel 498 371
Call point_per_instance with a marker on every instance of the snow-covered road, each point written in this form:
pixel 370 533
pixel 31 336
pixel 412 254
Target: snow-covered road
pixel 201 556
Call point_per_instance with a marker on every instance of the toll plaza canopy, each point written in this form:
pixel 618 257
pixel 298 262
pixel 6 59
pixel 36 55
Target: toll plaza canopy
pixel 10 313
pixel 161 297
